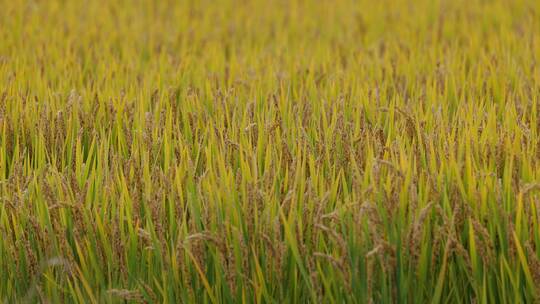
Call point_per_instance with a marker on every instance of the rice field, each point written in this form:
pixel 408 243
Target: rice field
pixel 270 151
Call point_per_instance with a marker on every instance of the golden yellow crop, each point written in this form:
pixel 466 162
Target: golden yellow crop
pixel 270 151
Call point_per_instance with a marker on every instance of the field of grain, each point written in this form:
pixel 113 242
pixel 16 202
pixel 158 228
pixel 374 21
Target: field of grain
pixel 270 151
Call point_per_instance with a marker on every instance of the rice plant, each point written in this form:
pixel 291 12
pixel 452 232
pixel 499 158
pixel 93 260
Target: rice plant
pixel 270 151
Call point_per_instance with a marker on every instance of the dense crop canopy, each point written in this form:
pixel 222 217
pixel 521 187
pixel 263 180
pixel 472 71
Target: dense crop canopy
pixel 271 151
